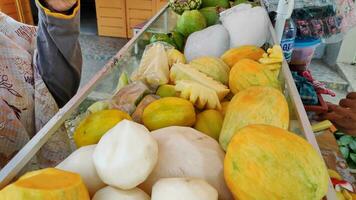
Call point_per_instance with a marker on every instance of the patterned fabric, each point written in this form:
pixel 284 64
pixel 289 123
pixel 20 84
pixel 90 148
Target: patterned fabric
pixel 25 102
pixel 306 90
pixel 346 8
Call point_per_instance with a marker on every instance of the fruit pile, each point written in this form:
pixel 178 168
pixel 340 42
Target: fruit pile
pixel 208 124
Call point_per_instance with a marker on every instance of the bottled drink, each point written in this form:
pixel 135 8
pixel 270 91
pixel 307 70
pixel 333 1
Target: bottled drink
pixel 288 38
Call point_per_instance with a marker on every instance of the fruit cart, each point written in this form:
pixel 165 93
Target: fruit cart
pixel 103 86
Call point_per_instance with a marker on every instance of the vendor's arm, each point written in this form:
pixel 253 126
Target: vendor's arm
pixel 344 114
pixel 59 57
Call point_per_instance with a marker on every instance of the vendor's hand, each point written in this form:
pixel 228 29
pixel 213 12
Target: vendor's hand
pixel 344 115
pixel 60 5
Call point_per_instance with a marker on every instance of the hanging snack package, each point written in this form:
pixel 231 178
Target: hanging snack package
pixel 320 18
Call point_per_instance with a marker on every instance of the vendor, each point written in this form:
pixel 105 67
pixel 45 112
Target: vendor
pixel 343 115
pixel 40 70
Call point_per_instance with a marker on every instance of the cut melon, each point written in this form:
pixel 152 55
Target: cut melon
pixel 46 184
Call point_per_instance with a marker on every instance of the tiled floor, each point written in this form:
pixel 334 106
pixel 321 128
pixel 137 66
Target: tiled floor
pixel 97 51
pixel 348 71
pixel 331 78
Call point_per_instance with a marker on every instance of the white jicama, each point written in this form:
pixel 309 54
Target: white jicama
pixel 81 162
pixel 212 41
pixel 186 152
pixel 125 155
pixel 183 189
pixel 246 25
pixel 110 193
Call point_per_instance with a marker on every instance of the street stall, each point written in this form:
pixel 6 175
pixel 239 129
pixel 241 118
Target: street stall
pixel 224 118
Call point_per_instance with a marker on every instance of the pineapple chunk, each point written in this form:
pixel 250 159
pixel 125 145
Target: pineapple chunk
pixel 200 95
pixel 274 55
pixel 186 72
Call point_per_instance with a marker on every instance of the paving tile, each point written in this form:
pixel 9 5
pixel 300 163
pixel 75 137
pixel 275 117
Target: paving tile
pixel 324 74
pixel 349 72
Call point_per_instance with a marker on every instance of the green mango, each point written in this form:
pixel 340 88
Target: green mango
pixel 216 3
pixel 178 39
pixel 211 15
pixel 190 21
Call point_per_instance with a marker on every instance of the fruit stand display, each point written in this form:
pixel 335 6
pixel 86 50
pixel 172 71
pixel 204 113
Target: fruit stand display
pixel 224 119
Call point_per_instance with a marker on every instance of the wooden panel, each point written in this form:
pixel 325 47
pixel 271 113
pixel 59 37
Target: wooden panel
pixel 8 8
pixel 138 11
pixel 112 31
pixel 6 1
pixel 160 4
pixel 111 18
pixel 26 10
pixel 20 10
pixel 110 12
pixel 139 14
pixel 112 21
pixel 140 4
pixel 110 3
pixel 133 22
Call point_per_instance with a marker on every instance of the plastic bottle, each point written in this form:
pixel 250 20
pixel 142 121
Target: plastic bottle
pixel 288 38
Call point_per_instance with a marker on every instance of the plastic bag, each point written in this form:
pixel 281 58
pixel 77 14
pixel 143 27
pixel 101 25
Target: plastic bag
pixel 212 41
pixel 246 25
pixel 153 68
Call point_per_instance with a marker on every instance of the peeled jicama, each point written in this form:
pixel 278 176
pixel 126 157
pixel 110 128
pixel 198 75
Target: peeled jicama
pixel 212 41
pixel 183 188
pixel 110 193
pixel 125 155
pixel 246 25
pixel 81 162
pixel 186 152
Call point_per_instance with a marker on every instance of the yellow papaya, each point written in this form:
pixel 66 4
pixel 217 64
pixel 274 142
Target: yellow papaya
pixel 247 73
pixel 234 55
pixel 255 105
pixel 267 162
pixel 169 111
